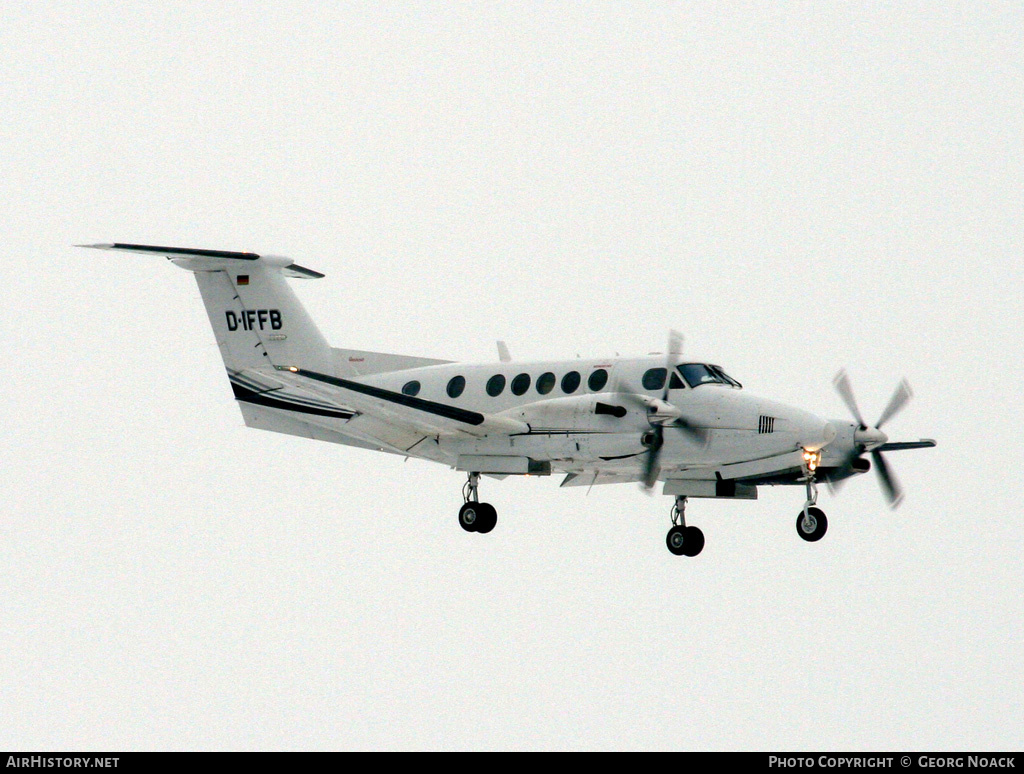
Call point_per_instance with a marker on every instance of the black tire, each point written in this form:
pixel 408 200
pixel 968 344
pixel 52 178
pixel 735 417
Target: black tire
pixel 469 516
pixel 819 525
pixel 487 518
pixel 676 540
pixel 693 542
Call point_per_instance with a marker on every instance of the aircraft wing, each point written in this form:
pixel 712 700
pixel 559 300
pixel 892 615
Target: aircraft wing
pixel 417 415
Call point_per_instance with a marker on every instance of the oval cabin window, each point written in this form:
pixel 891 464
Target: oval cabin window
pixel 545 383
pixel 496 385
pixel 521 384
pixel 411 388
pixel 456 386
pixel 571 382
pixel 598 380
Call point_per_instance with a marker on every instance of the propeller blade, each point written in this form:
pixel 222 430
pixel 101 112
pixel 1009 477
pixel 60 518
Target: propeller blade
pixel 649 476
pixel 652 468
pixel 898 400
pixel 890 486
pixel 628 394
pixel 835 487
pixel 675 343
pixel 842 384
pixel 697 434
pixel 672 353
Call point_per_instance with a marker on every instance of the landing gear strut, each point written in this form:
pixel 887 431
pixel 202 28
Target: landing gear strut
pixel 811 523
pixel 682 540
pixel 476 516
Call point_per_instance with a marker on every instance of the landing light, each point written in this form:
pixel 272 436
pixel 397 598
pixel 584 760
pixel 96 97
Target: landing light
pixel 812 459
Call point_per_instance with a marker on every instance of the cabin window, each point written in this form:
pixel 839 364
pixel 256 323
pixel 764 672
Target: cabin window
pixel 598 379
pixel 654 379
pixel 411 388
pixel 456 386
pixel 571 382
pixel 697 374
pixel 545 383
pixel 496 385
pixel 718 370
pixel 521 384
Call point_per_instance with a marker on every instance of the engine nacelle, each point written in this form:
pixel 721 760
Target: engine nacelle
pixel 600 411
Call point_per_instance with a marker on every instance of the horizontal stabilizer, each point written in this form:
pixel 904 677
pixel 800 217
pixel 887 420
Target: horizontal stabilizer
pixel 198 259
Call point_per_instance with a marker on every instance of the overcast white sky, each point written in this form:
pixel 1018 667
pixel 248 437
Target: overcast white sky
pixel 797 187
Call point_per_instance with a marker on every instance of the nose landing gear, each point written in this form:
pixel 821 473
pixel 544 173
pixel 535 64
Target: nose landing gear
pixel 682 540
pixel 811 523
pixel 476 516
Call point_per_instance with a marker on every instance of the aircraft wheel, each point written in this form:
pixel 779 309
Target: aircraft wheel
pixel 685 541
pixel 675 540
pixel 487 518
pixel 815 527
pixel 693 543
pixel 469 516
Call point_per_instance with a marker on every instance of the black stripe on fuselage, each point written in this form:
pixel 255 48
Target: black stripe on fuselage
pixel 439 409
pixel 249 396
pixel 189 251
pixel 261 389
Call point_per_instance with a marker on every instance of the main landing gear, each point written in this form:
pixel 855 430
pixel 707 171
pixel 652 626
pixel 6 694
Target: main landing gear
pixel 682 540
pixel 811 523
pixel 476 516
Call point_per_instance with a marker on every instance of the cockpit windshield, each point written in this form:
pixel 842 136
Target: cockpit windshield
pixel 697 374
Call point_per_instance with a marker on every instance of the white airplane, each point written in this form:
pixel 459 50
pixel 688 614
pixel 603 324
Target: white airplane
pixel 614 420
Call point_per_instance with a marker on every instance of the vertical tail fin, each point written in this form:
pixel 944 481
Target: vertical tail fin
pixel 256 317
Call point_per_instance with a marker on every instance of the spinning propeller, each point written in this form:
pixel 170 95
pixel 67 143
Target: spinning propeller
pixel 659 413
pixel 872 439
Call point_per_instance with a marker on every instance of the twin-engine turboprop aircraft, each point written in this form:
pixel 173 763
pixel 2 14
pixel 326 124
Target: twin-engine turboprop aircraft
pixel 615 420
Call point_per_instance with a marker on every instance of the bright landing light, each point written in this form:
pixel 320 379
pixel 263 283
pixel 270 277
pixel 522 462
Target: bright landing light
pixel 812 459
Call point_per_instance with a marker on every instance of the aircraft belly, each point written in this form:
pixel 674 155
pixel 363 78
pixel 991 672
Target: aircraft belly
pixel 576 451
